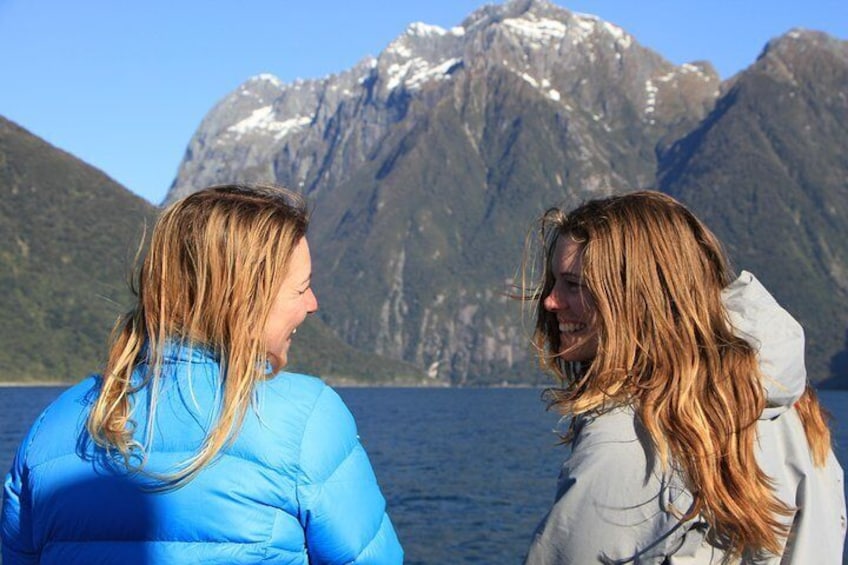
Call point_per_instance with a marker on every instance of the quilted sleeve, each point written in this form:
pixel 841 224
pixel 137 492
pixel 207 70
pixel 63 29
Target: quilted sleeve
pixel 342 509
pixel 17 534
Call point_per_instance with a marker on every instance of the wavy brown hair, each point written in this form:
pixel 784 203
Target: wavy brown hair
pixel 214 264
pixel 666 347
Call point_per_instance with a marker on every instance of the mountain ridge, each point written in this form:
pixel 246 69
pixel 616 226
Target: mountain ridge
pixel 427 165
pixel 66 232
pixel 68 238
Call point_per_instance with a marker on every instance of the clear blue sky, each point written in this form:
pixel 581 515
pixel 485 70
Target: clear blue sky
pixel 124 85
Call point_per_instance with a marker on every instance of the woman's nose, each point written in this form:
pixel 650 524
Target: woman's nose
pixel 313 303
pixel 551 302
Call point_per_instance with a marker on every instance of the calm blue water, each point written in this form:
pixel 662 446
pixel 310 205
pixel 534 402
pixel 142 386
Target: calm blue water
pixel 467 473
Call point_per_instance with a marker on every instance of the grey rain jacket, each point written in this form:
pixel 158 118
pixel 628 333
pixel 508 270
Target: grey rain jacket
pixel 613 500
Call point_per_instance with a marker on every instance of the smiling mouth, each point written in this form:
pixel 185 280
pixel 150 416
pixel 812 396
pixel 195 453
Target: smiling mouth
pixel 571 327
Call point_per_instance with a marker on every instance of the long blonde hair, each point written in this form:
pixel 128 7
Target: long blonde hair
pixel 666 347
pixel 215 261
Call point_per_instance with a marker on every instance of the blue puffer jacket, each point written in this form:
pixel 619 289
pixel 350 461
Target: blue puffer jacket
pixel 296 486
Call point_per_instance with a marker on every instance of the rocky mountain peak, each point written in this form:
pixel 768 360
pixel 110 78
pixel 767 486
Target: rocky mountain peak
pixel 422 54
pixel 788 56
pixel 427 162
pixel 510 9
pixel 801 39
pixel 542 23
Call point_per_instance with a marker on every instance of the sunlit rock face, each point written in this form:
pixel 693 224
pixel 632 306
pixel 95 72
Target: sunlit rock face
pixel 427 164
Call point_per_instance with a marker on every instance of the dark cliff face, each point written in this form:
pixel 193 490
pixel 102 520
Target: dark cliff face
pixel 427 165
pixel 767 168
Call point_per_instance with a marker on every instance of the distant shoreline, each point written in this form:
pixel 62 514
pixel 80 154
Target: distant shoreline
pixel 40 384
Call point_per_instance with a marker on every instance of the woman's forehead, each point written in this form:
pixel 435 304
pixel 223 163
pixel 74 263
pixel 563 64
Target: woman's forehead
pixel 568 254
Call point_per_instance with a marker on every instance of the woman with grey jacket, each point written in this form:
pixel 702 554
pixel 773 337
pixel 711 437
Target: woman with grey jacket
pixel 695 437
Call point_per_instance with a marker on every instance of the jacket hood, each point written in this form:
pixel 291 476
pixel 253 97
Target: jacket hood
pixel 776 336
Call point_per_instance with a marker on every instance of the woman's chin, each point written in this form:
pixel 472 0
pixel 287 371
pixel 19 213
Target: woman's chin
pixel 577 352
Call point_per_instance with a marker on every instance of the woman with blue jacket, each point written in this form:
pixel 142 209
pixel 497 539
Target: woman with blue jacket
pixel 192 446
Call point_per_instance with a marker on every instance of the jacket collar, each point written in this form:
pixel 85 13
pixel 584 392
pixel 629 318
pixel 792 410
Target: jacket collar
pixel 177 350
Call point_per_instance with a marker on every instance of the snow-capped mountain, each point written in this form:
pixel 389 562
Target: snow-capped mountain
pixel 428 163
pixel 568 58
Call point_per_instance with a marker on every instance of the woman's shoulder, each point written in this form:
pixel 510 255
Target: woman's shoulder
pixel 306 397
pixel 72 402
pixel 56 430
pixel 303 406
pixel 617 426
pixel 613 446
pixel 298 388
pixel 285 414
